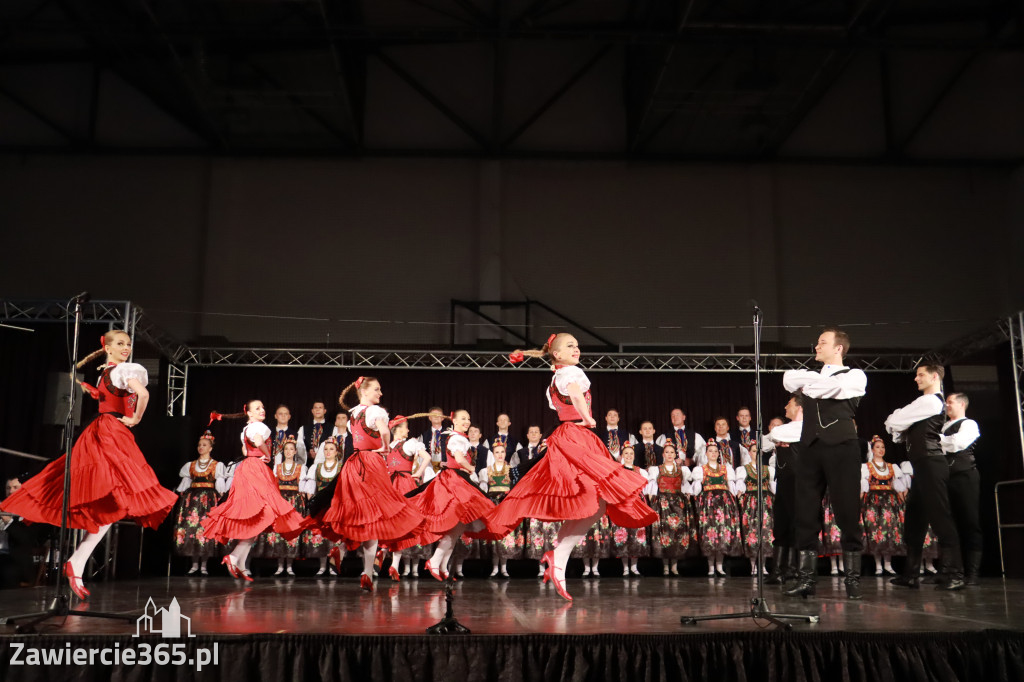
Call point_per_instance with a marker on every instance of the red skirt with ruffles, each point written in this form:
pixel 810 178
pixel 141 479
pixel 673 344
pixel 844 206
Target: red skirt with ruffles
pixel 403 483
pixel 451 498
pixel 366 506
pixel 568 483
pixel 110 481
pixel 254 504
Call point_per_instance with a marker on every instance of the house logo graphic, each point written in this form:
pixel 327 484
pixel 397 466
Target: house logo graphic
pixel 166 622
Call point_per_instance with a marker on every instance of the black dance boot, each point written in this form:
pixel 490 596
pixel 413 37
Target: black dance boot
pixel 952 577
pixel 851 561
pixel 806 578
pixel 779 567
pixel 911 576
pixel 972 567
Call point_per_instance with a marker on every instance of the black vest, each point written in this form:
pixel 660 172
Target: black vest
pixel 922 438
pixel 670 435
pixel 964 459
pixel 786 460
pixel 277 447
pixel 829 420
pixel 307 436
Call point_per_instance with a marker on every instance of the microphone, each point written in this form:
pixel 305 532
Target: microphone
pixel 753 304
pixel 82 297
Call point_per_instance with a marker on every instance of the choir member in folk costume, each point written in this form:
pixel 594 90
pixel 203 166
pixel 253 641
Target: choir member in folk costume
pixel 254 502
pixel 882 492
pixel 434 438
pixel 743 434
pixel 281 431
pixel 289 472
pixel 342 436
pixel 203 481
pixel 496 484
pixel 577 481
pixel 689 444
pixel 671 536
pixel 746 484
pixel 319 477
pixel 730 452
pixel 717 512
pixel 110 479
pixel 629 544
pixel 406 461
pixel 612 434
pixel 504 436
pixel 647 452
pixel 365 508
pixel 314 432
pixel 452 503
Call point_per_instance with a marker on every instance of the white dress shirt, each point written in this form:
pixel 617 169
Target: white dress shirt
pixel 903 418
pixel 962 439
pixel 823 384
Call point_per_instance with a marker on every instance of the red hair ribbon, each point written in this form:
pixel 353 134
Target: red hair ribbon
pixel 550 339
pixel 359 382
pixel 215 417
pixel 396 421
pixel 93 392
pixel 103 340
pixel 451 416
pixel 516 357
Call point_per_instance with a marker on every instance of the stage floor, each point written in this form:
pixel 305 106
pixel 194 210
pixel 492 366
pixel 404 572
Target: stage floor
pixel 639 606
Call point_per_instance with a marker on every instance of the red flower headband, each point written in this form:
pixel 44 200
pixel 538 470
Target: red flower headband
pixel 207 436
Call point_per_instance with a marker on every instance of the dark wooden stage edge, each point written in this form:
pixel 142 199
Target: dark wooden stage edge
pixel 617 628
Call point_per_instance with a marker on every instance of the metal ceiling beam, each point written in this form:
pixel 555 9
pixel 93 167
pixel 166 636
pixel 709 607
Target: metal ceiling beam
pixel 32 111
pixel 434 100
pixel 341 66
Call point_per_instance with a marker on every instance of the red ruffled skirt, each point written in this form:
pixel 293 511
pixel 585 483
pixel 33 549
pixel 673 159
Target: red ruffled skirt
pixel 403 483
pixel 451 498
pixel 366 506
pixel 569 482
pixel 254 504
pixel 110 481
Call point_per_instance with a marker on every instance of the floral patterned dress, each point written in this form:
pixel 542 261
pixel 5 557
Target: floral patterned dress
pixel 314 544
pixel 881 513
pixel 270 543
pixel 672 534
pixel 200 490
pixel 748 505
pixel 718 515
pixel 499 482
pixel 628 542
pixel 830 536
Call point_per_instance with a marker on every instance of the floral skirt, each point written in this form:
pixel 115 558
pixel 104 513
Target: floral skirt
pixel 628 542
pixel 881 517
pixel 672 534
pixel 597 544
pixel 189 537
pixel 540 537
pixel 830 536
pixel 748 505
pixel 718 516
pixel 930 550
pixel 271 544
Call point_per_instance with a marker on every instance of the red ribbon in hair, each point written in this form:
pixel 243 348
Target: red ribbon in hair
pixel 93 392
pixel 516 357
pixel 396 421
pixel 103 340
pixel 359 382
pixel 451 416
pixel 215 417
pixel 550 339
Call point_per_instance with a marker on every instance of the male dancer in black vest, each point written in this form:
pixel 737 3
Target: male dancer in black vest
pixel 958 439
pixel 784 440
pixel 918 426
pixel 830 457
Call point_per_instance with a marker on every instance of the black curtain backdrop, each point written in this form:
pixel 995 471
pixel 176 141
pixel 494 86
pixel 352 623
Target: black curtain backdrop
pixel 750 656
pixel 638 396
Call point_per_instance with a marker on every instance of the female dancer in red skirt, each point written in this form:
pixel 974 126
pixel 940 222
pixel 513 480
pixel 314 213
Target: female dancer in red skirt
pixel 365 508
pixel 577 481
pixel 452 504
pixel 254 502
pixel 405 462
pixel 110 479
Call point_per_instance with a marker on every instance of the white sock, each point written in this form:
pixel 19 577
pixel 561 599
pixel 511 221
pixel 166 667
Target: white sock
pixel 85 549
pixel 323 563
pixel 753 566
pixel 369 552
pixel 571 533
pixel 625 563
pixel 396 560
pixel 241 553
pixel 280 564
pixel 504 566
pixel 839 560
pixel 833 560
pixel 719 560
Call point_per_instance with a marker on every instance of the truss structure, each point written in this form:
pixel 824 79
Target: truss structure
pixel 1015 328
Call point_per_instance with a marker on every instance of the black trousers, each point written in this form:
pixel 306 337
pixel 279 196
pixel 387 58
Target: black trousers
pixel 928 504
pixel 837 469
pixel 964 493
pixel 784 511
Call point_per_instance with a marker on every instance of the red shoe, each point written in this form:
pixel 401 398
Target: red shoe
pixel 433 571
pixel 77 586
pixel 378 560
pixel 232 568
pixel 549 575
pixel 334 556
pixel 366 582
pixel 393 572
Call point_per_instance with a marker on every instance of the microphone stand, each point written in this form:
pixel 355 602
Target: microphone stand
pixel 60 606
pixel 449 625
pixel 758 605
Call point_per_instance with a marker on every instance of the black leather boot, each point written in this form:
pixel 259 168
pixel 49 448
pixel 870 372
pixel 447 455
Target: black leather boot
pixel 806 578
pixel 952 577
pixel 911 576
pixel 972 567
pixel 851 560
pixel 779 567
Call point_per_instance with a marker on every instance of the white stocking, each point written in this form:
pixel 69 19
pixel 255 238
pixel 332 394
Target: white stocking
pixel 240 555
pixel 85 549
pixel 570 534
pixel 369 552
